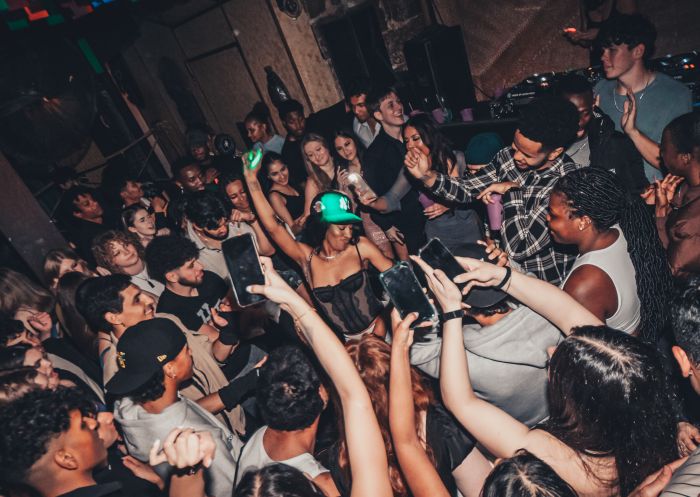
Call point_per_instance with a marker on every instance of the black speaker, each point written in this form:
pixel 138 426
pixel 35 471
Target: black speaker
pixel 439 68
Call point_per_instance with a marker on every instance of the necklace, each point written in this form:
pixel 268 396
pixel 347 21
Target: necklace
pixel 327 257
pixel 581 147
pixel 643 92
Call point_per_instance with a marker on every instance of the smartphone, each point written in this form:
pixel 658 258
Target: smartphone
pixel 437 256
pixel 241 255
pixel 406 293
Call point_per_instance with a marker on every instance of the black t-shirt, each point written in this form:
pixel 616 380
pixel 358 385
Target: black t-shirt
pixel 291 154
pixel 195 311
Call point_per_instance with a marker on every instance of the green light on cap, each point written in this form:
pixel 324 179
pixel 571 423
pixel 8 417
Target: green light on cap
pixel 335 208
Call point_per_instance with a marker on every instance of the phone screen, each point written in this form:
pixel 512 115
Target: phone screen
pixel 244 268
pixel 406 293
pixel 437 256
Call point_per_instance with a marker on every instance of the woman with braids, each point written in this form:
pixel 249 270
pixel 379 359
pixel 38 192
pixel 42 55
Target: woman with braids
pixel 621 274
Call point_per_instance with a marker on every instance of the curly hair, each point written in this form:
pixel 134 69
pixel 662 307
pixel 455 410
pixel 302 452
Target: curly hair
pixel 551 121
pixel 601 196
pixel 287 391
pixel 442 156
pixel 104 253
pixel 685 317
pixel 525 475
pixel 168 253
pixel 608 397
pixel 372 358
pixel 30 423
pixel 628 29
pixel 95 297
pixel 206 210
pixel 684 132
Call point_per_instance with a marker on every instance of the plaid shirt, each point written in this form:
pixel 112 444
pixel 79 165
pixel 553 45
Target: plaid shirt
pixel 524 233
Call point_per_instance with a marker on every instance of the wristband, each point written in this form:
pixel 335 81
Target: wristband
pixel 228 334
pixel 448 316
pixel 232 393
pixel 505 279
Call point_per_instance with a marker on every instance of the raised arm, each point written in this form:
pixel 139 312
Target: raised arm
pixel 545 299
pixel 371 252
pixel 368 463
pixel 420 474
pixel 295 250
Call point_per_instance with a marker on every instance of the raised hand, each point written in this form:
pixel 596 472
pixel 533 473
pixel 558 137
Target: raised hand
pixel 494 254
pixel 184 448
pixel 500 188
pixel 435 210
pixel 446 293
pixel 479 273
pixel 417 163
pixel 629 113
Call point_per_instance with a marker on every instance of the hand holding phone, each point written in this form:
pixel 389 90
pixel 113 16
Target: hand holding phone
pixel 243 263
pixel 406 293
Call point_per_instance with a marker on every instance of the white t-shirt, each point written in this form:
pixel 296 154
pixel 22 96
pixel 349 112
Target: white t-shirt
pixel 255 457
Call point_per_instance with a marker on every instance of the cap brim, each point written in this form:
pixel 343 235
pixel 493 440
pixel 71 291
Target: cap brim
pixel 344 218
pixel 123 382
pixel 483 297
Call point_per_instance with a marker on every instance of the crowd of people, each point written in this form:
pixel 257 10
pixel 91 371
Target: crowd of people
pixel 557 366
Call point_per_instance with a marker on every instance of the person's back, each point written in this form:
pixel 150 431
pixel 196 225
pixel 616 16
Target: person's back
pixel 154 360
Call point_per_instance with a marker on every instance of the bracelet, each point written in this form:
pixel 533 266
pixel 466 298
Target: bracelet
pixel 505 279
pixel 301 316
pixel 458 314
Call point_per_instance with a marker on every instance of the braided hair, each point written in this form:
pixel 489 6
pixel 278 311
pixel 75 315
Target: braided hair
pixel 600 195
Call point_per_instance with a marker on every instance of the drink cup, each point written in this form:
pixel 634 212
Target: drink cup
pixel 494 212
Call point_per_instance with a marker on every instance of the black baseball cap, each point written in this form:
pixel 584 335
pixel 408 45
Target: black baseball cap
pixel 142 351
pixel 478 297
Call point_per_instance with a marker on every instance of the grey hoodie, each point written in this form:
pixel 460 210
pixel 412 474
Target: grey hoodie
pixel 507 362
pixel 141 429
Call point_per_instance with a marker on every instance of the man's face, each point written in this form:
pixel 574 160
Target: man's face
pixel 82 441
pixel 191 178
pixel 191 273
pixel 219 233
pixel 237 195
pixel 295 123
pixel 618 60
pixel 199 152
pixel 124 256
pixel 527 153
pixel 183 364
pixel 132 192
pixel 390 111
pixel 359 107
pixel 87 207
pixel 136 306
pixel 584 106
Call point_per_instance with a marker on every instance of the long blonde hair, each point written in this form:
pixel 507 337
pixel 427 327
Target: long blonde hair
pixel 322 180
pixel 16 290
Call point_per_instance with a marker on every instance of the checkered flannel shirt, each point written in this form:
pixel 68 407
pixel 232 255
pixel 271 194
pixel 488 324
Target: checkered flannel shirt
pixel 524 233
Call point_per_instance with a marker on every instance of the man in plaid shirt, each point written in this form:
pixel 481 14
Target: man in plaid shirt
pixel 524 174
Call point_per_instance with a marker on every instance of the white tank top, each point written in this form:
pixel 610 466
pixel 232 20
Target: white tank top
pixel 616 263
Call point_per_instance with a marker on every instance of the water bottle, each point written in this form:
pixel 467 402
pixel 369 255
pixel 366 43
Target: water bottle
pixel 361 187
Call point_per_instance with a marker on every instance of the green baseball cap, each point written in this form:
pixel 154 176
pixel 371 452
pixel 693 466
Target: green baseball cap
pixel 335 208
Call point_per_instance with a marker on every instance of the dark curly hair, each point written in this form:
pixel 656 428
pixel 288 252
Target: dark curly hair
pixel 628 29
pixel 205 209
pixel 551 121
pixel 153 389
pixel 167 253
pixel 685 317
pixel 525 475
pixel 287 391
pixel 30 423
pixel 441 152
pixel 684 132
pixel 608 397
pixel 96 297
pixel 276 480
pixel 600 195
pixel 103 252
